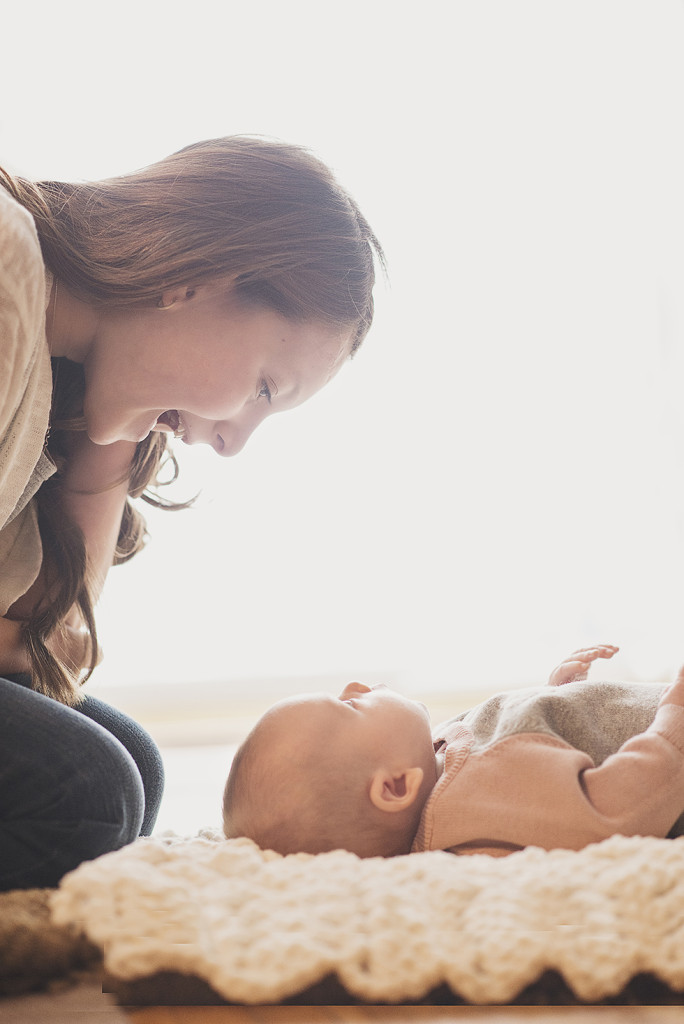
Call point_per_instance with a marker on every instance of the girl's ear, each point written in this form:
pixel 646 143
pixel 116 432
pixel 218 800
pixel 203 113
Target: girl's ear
pixel 389 792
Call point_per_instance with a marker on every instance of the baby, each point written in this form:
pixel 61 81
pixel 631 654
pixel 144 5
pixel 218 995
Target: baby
pixel 557 766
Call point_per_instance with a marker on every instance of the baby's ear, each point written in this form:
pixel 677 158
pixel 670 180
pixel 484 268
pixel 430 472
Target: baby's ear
pixel 390 792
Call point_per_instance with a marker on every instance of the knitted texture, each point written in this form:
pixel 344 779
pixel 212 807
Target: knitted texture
pixel 259 927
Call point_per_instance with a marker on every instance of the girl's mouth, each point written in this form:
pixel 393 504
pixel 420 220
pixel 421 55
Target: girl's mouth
pixel 173 420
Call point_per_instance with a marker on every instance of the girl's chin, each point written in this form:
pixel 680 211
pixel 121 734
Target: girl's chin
pixel 133 432
pixel 145 430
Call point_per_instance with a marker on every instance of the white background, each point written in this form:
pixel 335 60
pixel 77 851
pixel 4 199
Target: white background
pixel 497 477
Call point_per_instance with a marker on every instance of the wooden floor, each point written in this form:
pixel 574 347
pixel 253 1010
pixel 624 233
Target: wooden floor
pixel 88 1004
pixel 407 1015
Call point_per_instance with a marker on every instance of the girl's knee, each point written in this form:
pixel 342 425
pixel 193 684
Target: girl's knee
pixel 108 787
pixel 70 791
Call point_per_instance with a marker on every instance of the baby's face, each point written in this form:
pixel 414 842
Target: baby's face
pixel 376 724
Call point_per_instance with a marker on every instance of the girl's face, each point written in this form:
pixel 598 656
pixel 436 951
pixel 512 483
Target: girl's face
pixel 208 368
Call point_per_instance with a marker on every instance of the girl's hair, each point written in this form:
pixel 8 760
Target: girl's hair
pixel 268 215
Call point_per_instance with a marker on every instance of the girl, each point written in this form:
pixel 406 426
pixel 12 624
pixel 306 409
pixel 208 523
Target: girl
pixel 194 298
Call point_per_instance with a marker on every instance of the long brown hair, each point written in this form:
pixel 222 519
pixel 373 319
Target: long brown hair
pixel 269 216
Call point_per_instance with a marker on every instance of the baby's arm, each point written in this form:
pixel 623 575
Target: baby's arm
pixel 641 787
pixel 576 667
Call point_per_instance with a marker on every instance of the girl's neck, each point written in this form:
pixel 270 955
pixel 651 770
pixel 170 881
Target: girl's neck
pixel 70 324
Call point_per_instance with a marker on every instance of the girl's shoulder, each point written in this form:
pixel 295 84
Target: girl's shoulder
pixel 22 271
pixel 18 235
pixel 22 310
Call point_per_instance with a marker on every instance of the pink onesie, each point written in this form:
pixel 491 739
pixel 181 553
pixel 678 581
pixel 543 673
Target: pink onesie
pixel 535 788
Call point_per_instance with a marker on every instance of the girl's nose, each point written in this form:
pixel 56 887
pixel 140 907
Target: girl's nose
pixel 227 440
pixel 231 436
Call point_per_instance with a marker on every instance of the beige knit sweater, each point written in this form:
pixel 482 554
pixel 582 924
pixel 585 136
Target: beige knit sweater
pixel 25 397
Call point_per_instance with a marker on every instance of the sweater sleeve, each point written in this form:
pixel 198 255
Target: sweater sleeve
pixel 22 304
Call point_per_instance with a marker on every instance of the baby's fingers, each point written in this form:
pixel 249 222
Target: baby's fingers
pixel 576 667
pixel 589 654
pixel 569 671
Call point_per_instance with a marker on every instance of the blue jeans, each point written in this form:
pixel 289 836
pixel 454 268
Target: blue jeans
pixel 74 783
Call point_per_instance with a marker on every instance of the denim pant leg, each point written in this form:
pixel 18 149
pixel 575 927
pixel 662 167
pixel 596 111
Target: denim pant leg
pixel 69 790
pixel 137 742
pixel 140 746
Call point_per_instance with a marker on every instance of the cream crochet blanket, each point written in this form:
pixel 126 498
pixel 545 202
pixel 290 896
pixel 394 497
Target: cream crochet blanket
pixel 259 927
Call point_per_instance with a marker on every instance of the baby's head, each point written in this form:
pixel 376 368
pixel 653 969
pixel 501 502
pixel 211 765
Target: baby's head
pixel 320 773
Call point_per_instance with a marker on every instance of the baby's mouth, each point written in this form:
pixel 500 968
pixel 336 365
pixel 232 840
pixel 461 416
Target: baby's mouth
pixel 173 420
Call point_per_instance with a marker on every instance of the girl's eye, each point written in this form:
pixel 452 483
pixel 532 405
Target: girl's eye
pixel 268 389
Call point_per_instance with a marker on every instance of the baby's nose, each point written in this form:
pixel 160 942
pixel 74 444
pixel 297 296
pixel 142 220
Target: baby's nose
pixel 352 688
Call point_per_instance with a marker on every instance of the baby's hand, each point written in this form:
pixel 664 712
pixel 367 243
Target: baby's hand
pixel 576 667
